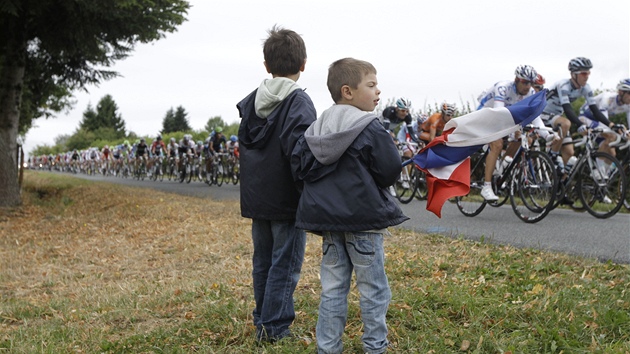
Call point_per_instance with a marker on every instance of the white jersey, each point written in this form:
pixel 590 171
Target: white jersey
pixel 503 93
pixel 609 104
pixel 563 92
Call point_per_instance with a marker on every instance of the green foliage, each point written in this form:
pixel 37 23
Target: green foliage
pixel 214 122
pixel 106 118
pixel 175 121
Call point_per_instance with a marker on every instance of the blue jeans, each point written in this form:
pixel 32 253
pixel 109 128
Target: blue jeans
pixel 344 252
pixel 277 262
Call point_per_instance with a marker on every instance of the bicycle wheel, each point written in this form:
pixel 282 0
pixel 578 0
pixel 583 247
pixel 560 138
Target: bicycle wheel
pixel 422 189
pixel 626 172
pixel 533 187
pixel 235 173
pixel 601 185
pixel 473 203
pixel 220 171
pixel 189 172
pixel 404 186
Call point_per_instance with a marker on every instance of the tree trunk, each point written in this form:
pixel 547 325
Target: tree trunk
pixel 11 81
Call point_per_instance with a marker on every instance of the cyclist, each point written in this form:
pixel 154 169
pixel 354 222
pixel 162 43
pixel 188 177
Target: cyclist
pixel 218 141
pixel 157 151
pixel 434 125
pixel 232 146
pixel 186 147
pixel 503 94
pixel 559 99
pixel 106 156
pixel 141 152
pixel 398 113
pixel 539 83
pixel 609 103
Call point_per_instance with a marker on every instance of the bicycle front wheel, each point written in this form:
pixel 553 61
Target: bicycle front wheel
pixel 533 187
pixel 601 185
pixel 405 186
pixel 473 203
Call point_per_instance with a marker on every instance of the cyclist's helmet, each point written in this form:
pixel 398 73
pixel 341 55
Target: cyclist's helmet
pixel 159 137
pixel 137 142
pixel 199 143
pixel 106 147
pixel 172 140
pixel 448 108
pixel 579 64
pixel 233 138
pixel 186 137
pixel 624 85
pixel 142 140
pixel 525 72
pixel 403 103
pixel 218 129
pixel 540 80
pixel 126 142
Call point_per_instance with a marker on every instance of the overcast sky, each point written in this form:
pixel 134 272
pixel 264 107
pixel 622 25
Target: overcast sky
pixel 427 51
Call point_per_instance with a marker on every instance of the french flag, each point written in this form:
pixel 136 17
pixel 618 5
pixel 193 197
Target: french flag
pixel 446 159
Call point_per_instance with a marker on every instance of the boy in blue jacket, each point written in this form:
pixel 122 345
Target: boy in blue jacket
pixel 346 161
pixel 274 116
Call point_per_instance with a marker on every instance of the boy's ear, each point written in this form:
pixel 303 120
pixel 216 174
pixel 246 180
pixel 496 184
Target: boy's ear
pixel 346 92
pixel 303 65
pixel 266 67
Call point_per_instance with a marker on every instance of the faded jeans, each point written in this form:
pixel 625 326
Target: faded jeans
pixel 344 252
pixel 277 262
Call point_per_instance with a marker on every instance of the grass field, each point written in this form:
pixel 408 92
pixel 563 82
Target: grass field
pixel 103 268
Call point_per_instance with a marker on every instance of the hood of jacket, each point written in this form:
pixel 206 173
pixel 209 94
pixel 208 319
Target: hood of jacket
pixel 271 93
pixel 335 130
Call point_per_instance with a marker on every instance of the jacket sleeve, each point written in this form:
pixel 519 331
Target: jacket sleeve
pixel 385 162
pixel 299 117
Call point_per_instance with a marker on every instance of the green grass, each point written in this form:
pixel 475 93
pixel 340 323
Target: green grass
pixel 191 291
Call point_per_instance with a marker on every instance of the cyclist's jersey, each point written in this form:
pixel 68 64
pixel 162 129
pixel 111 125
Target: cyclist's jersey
pixel 105 153
pixel 158 147
pixel 563 92
pixel 184 146
pixel 434 121
pixel 141 149
pixel 216 142
pixel 502 91
pixel 75 156
pixel 172 149
pixel 609 104
pixel 93 155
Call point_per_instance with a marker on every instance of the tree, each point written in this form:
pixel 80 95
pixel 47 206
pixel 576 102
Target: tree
pixel 105 116
pixel 213 123
pixel 180 120
pixel 168 123
pixel 49 48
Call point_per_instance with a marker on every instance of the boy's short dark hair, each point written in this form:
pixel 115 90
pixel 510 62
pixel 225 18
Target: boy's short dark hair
pixel 284 51
pixel 347 71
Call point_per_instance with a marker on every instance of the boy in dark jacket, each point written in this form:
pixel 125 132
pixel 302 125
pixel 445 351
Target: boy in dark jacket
pixel 274 117
pixel 346 161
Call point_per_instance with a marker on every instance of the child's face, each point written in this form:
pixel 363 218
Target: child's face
pixel 366 95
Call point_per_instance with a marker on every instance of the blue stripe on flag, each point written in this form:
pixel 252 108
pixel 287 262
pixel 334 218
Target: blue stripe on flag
pixel 526 110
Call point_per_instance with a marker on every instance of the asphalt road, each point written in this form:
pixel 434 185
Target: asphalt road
pixel 561 231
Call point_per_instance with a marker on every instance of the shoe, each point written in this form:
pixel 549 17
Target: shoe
pixel 405 185
pixel 566 201
pixel 392 191
pixel 607 200
pixel 488 194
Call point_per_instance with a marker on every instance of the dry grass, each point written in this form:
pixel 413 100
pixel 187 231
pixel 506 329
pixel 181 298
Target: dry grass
pixel 90 267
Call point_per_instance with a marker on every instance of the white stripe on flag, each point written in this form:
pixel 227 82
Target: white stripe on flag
pixel 480 127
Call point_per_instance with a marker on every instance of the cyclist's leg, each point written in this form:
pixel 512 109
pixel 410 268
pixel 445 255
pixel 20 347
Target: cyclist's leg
pixel 491 160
